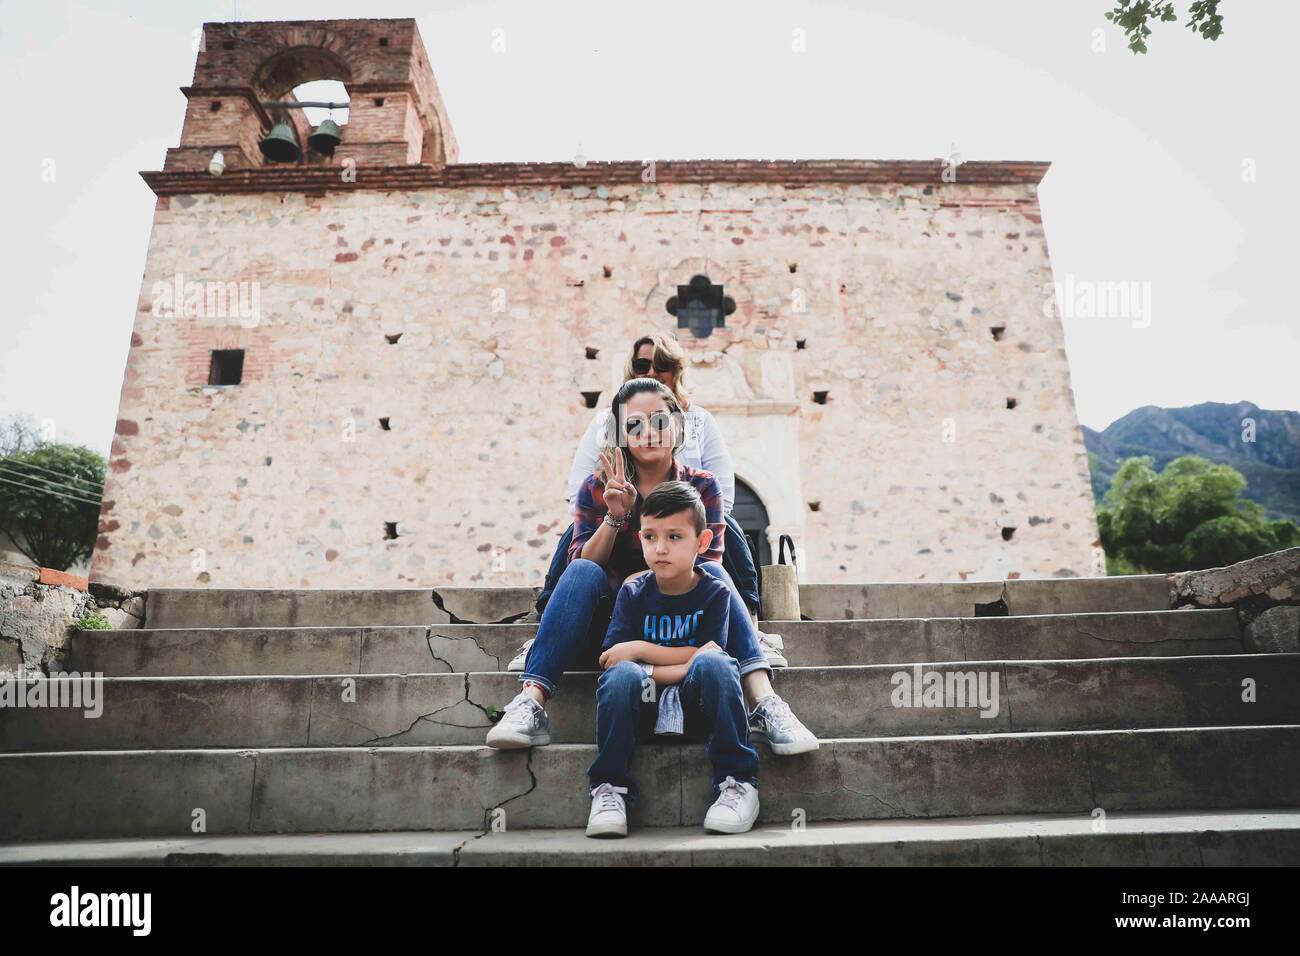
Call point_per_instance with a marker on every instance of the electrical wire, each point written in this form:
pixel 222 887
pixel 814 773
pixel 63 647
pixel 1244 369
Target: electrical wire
pixel 71 489
pixel 57 474
pixel 50 492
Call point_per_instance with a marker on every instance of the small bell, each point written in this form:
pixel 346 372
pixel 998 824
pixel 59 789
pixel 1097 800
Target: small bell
pixel 325 137
pixel 280 145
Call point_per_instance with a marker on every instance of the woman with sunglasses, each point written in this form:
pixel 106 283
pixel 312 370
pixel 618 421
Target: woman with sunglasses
pixel 644 431
pixel 661 357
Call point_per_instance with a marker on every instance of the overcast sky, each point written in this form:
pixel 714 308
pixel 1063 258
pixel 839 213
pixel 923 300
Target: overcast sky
pixel 1150 183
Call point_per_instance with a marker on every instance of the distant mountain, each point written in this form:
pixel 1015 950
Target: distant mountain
pixel 1270 464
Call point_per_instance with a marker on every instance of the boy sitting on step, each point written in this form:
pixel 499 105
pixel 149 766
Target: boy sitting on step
pixel 664 663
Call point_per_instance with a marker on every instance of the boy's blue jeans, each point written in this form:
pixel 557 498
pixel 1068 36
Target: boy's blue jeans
pixel 712 702
pixel 574 623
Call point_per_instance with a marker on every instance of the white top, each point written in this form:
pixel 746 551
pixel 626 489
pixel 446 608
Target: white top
pixel 704 449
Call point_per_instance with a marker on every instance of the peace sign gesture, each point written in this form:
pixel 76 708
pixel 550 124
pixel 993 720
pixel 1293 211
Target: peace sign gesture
pixel 620 494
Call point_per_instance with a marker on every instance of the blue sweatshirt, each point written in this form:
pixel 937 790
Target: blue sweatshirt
pixel 644 613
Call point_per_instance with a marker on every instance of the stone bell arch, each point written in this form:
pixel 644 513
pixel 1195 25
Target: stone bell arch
pixel 396 115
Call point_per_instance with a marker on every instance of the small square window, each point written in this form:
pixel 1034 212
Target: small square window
pixel 227 367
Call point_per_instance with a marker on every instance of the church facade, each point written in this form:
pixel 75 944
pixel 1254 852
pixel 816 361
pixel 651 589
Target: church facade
pixel 358 362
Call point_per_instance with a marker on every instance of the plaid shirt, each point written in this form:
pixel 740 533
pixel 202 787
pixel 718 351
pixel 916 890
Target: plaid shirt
pixel 625 557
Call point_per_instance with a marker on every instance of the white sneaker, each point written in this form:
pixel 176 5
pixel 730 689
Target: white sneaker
pixel 608 817
pixel 773 645
pixel 735 810
pixel 774 722
pixel 517 662
pixel 524 724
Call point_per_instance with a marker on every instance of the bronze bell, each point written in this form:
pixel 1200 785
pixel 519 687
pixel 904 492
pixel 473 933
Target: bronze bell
pixel 325 137
pixel 280 145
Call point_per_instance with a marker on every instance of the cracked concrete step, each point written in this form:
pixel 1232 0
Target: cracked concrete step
pixel 434 709
pixel 830 602
pixel 458 648
pixel 1213 838
pixel 254 607
pixel 146 793
pixel 320 607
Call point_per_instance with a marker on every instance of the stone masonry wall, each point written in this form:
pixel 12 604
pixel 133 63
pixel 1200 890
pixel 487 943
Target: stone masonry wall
pixel 40 611
pixel 914 468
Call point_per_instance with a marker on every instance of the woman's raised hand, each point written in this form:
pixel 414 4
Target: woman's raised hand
pixel 620 494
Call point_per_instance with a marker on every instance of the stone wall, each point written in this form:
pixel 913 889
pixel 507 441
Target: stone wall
pixel 468 318
pixel 37 619
pixel 1264 591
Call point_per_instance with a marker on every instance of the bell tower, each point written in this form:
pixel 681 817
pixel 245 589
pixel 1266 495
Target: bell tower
pixel 396 115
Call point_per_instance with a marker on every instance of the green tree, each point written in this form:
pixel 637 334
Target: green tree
pixel 1186 518
pixel 1134 18
pixel 49 496
pixel 17 433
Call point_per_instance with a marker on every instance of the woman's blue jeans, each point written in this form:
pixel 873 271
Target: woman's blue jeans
pixel 574 623
pixel 736 558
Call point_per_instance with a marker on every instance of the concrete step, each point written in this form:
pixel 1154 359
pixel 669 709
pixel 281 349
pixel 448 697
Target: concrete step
pixel 830 602
pixel 1210 838
pixel 452 648
pixel 254 607
pixel 433 709
pixel 322 607
pixel 148 793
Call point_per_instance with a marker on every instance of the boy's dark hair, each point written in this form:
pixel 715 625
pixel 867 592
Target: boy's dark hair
pixel 672 497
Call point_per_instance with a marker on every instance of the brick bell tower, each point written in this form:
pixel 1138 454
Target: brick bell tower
pixel 395 117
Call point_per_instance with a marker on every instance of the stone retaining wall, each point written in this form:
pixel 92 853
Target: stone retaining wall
pixel 1264 591
pixel 39 611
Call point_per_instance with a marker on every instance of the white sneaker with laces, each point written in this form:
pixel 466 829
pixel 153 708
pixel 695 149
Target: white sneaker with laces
pixel 523 724
pixel 735 810
pixel 773 721
pixel 517 662
pixel 773 645
pixel 608 817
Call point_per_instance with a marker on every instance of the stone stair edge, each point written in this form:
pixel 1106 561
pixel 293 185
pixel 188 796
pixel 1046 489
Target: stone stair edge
pixel 454 787
pixel 1129 578
pixel 1222 612
pixel 573 842
pixel 486 751
pixel 1156 662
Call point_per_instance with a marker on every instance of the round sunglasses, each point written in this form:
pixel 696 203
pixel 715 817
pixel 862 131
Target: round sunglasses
pixel 637 423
